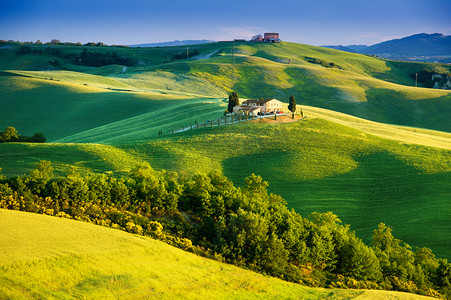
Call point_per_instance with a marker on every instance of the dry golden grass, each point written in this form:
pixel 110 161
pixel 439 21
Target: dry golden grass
pixel 403 134
pixel 45 257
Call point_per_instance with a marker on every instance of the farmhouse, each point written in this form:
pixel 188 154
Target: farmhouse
pixel 261 106
pixel 269 37
pixel 257 38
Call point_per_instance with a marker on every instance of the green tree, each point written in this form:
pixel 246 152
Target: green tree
pixel 234 100
pixel 292 105
pixel 443 277
pixel 9 135
pixel 274 259
pixel 357 260
pixel 395 257
pixel 38 138
pixel 2 177
pixel 427 261
pixel 37 179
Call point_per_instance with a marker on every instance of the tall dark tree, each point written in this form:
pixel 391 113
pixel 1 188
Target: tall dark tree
pixel 292 105
pixel 234 100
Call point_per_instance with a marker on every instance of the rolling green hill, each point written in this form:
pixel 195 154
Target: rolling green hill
pixel 319 165
pixel 363 86
pixel 363 171
pixel 53 258
pixel 61 104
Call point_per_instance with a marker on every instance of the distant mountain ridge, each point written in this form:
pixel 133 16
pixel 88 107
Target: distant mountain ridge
pixel 434 47
pixel 173 43
pixel 422 44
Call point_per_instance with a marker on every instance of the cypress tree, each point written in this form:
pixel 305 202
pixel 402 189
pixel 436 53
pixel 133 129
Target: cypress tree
pixel 233 101
pixel 292 105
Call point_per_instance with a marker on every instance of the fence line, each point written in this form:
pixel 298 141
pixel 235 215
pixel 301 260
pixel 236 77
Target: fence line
pixel 225 120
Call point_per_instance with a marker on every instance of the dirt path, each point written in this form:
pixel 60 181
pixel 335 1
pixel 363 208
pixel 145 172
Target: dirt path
pixel 205 56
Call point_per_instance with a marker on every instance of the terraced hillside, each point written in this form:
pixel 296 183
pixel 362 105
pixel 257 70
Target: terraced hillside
pixel 49 257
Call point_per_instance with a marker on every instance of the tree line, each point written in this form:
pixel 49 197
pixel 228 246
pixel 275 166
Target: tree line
pixel 58 42
pixel 99 59
pixel 246 226
pixel 10 134
pixel 86 57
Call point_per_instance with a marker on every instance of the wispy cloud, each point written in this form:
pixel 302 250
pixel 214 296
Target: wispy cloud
pixel 245 32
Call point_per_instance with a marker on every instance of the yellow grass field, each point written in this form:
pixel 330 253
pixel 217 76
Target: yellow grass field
pixel 43 257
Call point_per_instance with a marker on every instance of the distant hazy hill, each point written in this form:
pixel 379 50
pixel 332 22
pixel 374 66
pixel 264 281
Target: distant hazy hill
pixel 173 43
pixel 434 47
pixel 422 44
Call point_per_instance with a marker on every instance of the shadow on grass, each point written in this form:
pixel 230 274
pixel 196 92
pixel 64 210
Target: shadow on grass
pixel 381 189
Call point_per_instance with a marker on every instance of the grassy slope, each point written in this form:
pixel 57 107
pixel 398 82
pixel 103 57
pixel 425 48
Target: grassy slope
pixel 65 103
pixel 19 158
pixel 316 165
pixel 52 258
pixel 62 103
pixel 47 257
pixel 146 125
pixel 67 107
pixel 325 161
pixel 319 165
pixel 365 86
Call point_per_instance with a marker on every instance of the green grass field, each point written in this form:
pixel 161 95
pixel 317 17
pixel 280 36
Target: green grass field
pixel 19 158
pixel 315 164
pixel 67 107
pixel 364 170
pixel 53 258
pixel 319 165
pixel 61 103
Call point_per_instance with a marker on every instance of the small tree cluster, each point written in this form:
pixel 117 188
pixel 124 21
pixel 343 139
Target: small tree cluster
pixel 10 135
pixel 99 59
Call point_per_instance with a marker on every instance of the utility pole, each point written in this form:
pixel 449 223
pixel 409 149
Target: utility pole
pixel 416 79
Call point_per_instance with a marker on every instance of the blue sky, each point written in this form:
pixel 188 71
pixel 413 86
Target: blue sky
pixel 325 22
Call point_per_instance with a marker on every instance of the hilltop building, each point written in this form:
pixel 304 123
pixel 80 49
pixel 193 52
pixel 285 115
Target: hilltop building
pixel 257 38
pixel 269 37
pixel 262 106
